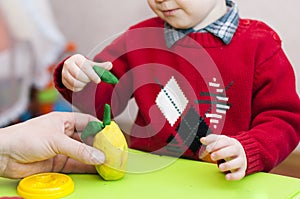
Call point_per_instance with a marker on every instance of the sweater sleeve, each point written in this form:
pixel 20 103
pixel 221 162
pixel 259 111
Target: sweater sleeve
pixel 92 98
pixel 84 100
pixel 57 78
pixel 275 127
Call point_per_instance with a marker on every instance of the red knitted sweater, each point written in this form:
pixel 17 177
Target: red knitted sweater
pixel 244 90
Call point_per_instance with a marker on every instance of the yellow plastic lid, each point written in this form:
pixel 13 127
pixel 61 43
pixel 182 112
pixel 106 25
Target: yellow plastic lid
pixel 46 186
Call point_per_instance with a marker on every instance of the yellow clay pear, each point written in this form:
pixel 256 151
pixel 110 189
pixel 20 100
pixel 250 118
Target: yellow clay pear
pixel 113 144
pixel 111 141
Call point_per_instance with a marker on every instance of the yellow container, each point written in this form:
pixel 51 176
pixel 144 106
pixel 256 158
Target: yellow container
pixel 46 186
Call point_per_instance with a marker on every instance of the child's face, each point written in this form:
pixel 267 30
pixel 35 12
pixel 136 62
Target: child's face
pixel 185 14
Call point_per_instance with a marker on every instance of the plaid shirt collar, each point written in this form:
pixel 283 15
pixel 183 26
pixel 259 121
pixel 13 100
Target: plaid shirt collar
pixel 224 28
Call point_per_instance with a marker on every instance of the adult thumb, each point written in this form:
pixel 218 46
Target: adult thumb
pixel 80 151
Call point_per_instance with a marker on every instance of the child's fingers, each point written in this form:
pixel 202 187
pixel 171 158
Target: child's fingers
pixel 72 68
pixel 105 65
pixel 203 154
pixel 67 80
pixel 77 73
pixel 225 148
pixel 77 59
pixel 82 69
pixel 76 86
pixel 224 153
pixel 218 144
pixel 231 165
pixel 71 83
pixel 87 68
pixel 236 175
pixel 209 139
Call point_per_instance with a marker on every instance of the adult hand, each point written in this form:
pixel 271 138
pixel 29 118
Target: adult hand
pixel 222 147
pixel 78 71
pixel 44 144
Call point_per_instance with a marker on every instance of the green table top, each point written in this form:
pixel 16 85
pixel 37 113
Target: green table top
pixel 180 179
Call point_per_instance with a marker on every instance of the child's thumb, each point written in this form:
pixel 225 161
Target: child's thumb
pixel 94 75
pixel 105 65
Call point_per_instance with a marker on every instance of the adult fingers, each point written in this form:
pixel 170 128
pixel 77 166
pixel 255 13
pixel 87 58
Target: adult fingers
pixel 74 166
pixel 74 120
pixel 78 151
pixel 16 169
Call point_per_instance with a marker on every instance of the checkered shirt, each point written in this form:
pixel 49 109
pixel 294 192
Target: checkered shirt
pixel 224 28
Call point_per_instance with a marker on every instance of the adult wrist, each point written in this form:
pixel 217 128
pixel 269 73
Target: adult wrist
pixel 4 149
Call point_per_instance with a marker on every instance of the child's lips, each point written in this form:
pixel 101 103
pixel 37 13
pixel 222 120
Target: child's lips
pixel 170 12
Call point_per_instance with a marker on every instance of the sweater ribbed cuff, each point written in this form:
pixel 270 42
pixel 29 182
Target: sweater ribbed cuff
pixel 250 145
pixel 57 79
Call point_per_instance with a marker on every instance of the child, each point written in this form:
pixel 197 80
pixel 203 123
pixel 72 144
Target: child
pixel 197 71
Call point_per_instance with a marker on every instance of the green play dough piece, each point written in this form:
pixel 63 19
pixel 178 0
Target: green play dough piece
pixel 106 115
pixel 92 128
pixel 105 75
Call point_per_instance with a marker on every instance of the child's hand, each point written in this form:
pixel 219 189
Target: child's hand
pixel 229 149
pixel 78 71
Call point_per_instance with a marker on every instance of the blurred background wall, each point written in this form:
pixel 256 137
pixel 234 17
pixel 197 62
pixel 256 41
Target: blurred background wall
pixel 89 22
